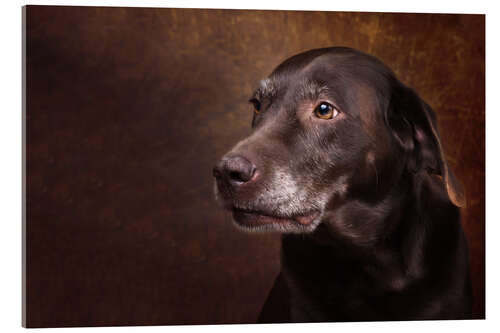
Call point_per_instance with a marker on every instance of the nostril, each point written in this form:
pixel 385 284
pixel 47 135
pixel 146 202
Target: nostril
pixel 241 176
pixel 236 176
pixel 238 169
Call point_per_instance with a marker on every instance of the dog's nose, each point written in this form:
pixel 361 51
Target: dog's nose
pixel 235 169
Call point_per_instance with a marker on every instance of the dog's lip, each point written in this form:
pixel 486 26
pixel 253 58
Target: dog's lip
pixel 255 217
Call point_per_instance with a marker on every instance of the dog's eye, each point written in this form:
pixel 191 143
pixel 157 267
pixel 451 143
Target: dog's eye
pixel 256 105
pixel 325 111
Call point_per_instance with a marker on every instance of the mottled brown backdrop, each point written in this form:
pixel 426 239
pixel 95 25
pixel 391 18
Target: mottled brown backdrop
pixel 127 111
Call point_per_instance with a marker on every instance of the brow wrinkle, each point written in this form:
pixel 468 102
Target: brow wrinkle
pixel 307 90
pixel 311 90
pixel 267 89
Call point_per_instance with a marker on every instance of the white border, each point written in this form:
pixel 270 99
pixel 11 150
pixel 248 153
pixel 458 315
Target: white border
pixel 10 152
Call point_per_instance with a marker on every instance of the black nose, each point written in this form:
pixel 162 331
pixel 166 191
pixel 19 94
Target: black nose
pixel 235 169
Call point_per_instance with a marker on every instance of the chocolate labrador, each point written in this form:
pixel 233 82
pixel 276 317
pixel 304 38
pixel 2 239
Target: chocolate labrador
pixel 346 162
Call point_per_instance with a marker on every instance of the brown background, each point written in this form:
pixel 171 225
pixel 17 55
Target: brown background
pixel 127 111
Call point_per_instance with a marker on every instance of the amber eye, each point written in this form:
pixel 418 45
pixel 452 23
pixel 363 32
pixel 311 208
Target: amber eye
pixel 325 111
pixel 256 105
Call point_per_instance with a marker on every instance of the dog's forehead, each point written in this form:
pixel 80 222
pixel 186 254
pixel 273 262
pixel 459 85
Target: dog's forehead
pixel 300 68
pixel 328 66
pixel 313 84
pixel 303 84
pixel 305 78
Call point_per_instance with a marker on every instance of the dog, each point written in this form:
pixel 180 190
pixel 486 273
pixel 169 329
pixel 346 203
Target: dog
pixel 345 161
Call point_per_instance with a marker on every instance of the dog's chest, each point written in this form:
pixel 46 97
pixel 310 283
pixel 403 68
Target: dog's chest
pixel 321 287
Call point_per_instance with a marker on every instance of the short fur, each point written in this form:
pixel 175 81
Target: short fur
pixel 366 203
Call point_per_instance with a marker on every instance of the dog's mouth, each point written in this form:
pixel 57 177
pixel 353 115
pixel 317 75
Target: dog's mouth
pixel 249 218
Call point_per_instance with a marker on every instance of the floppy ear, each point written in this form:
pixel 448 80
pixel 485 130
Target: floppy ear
pixel 414 126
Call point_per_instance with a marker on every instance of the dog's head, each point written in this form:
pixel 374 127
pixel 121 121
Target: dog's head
pixel 330 126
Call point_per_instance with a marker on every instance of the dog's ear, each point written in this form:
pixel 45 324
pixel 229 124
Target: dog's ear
pixel 414 126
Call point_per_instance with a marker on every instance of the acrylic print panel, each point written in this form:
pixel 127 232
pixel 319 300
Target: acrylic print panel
pixel 127 110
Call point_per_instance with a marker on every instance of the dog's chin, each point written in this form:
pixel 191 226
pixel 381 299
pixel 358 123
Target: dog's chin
pixel 249 220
